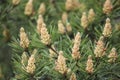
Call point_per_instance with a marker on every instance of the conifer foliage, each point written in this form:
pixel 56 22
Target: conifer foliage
pixel 64 39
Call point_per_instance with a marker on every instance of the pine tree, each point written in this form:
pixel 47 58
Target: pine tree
pixel 63 39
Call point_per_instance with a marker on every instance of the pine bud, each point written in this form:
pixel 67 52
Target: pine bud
pixel 61 27
pixel 29 8
pixel 15 2
pixel 84 20
pixel 73 77
pixel 89 65
pixel 31 63
pixel 45 37
pixel 100 49
pixel 24 41
pixel 40 21
pixel 117 27
pixel 75 49
pixel 52 53
pixel 24 59
pixel 83 7
pixel 107 8
pixel 69 5
pixel 34 51
pixel 64 17
pixel 72 4
pixel 42 9
pixel 91 15
pixel 75 4
pixel 61 64
pixel 107 29
pixel 68 27
pixel 6 34
pixel 112 56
